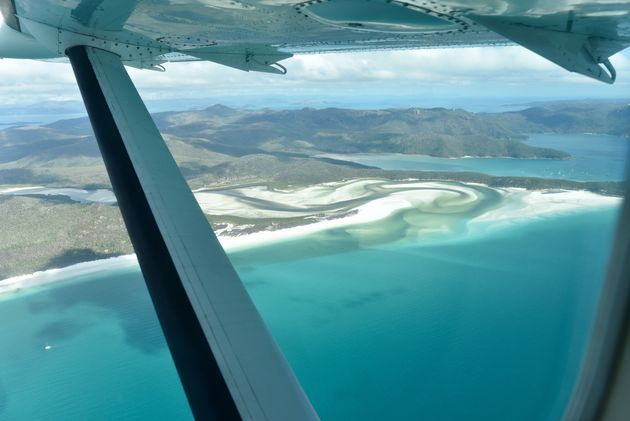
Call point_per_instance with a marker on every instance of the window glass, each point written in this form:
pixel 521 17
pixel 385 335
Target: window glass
pixel 415 256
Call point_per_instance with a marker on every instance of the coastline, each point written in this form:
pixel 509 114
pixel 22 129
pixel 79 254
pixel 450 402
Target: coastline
pixel 18 283
pixel 516 204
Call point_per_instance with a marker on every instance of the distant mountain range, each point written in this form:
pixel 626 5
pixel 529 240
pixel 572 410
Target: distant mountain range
pixel 436 131
pixel 219 144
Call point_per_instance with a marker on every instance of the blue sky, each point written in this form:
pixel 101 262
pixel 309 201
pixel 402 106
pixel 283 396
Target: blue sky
pixel 389 78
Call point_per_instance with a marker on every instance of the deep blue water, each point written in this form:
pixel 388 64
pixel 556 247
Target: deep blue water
pixel 490 327
pixel 594 157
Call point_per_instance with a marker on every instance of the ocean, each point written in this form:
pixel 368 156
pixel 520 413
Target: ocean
pixel 488 327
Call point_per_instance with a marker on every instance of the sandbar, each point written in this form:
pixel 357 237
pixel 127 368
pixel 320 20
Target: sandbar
pixel 355 203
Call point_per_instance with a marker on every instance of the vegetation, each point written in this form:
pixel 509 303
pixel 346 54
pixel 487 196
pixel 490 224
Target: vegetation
pixel 224 147
pixel 42 233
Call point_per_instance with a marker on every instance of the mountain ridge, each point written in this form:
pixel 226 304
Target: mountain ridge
pixel 214 144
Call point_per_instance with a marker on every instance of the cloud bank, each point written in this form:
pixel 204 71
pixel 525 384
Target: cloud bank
pixel 472 72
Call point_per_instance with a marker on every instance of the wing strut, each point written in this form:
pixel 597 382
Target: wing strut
pixel 228 362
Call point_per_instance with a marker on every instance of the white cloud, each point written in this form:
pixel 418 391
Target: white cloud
pixel 29 81
pixel 432 64
pixel 474 71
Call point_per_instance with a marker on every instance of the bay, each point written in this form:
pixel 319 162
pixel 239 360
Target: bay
pixel 594 157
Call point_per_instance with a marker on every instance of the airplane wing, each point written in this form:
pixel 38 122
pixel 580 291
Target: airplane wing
pixel 254 35
pixel 228 362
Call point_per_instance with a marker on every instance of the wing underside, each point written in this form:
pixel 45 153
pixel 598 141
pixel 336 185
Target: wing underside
pixel 255 35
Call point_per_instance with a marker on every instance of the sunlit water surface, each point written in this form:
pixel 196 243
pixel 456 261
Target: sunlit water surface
pixel 489 327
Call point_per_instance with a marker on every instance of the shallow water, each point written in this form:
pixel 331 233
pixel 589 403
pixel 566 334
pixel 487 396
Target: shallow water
pixel 490 328
pixel 485 327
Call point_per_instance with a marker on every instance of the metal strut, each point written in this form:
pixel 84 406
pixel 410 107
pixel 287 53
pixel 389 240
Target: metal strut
pixel 228 363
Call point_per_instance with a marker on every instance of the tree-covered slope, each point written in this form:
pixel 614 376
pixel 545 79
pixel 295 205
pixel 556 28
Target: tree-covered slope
pixel 221 144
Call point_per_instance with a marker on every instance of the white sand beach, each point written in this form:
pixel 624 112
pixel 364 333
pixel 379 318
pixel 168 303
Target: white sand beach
pixel 44 277
pixel 524 204
pixel 356 203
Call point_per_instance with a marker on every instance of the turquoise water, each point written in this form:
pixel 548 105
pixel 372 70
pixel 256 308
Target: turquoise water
pixel 594 157
pixel 490 327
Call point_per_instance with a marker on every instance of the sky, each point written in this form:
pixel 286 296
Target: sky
pixel 432 77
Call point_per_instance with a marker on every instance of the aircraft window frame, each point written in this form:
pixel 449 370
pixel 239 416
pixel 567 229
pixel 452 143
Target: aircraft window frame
pixel 601 391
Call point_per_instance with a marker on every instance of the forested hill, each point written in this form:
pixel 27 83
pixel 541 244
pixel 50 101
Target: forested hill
pixel 436 131
pixel 224 142
pixel 587 116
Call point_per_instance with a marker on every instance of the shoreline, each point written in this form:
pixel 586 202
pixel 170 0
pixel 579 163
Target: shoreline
pixel 516 205
pixel 40 278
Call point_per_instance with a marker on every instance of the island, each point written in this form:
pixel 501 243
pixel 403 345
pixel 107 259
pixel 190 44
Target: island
pixel 257 172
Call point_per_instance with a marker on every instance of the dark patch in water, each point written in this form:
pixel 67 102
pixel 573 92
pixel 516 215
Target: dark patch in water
pixel 62 330
pixel 39 306
pixel 372 297
pixel 142 331
pixel 246 268
pixel 255 283
pixel 330 308
pixel 124 295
